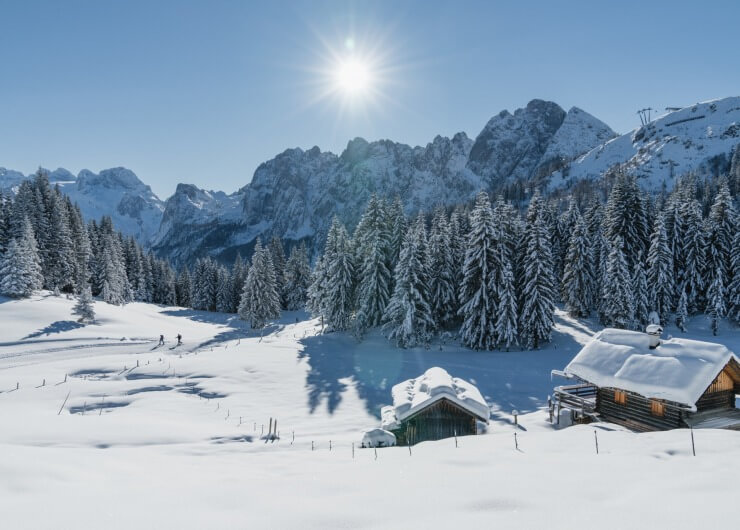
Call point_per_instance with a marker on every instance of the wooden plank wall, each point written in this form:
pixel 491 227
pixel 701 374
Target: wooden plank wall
pixel 636 413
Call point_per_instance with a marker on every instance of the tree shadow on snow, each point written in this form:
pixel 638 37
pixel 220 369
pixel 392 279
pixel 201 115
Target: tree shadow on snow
pixel 59 326
pixel 514 380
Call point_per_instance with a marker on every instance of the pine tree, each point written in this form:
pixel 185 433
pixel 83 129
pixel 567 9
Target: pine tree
pixel 640 294
pixel 478 304
pixel 682 313
pixel 297 278
pixel 733 291
pixel 660 271
pixel 716 301
pixel 442 272
pixel 537 291
pixel 184 288
pixel 277 254
pixel 84 306
pixel 60 270
pixel 578 277
pixel 693 265
pixel 506 319
pixel 619 309
pixel 408 317
pixel 625 218
pixel 225 302
pixel 339 291
pixel 260 300
pixel 373 247
pixel 20 269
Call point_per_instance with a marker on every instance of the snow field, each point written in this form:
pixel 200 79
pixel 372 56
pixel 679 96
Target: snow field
pixel 170 457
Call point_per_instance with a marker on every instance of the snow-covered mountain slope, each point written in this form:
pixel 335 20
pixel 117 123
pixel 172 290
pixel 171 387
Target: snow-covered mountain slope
pixel 116 192
pixel 695 138
pixel 533 140
pixel 170 437
pixel 296 194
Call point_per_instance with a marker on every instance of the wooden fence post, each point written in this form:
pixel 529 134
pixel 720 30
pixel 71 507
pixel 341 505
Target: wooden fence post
pixel 596 439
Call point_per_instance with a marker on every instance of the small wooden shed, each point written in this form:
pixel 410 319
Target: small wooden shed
pixel 637 380
pixel 434 406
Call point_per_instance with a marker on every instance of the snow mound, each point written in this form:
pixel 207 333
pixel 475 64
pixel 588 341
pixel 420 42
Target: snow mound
pixel 435 384
pixel 678 370
pixel 378 438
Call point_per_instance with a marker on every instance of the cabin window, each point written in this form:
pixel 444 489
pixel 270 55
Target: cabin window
pixel 657 408
pixel 620 397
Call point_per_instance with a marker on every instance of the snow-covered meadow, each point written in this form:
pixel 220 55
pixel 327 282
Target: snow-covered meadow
pixel 160 437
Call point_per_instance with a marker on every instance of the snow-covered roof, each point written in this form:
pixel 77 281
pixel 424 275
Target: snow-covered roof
pixel 678 370
pixel 413 395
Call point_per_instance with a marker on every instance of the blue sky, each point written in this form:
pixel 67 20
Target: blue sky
pixel 202 92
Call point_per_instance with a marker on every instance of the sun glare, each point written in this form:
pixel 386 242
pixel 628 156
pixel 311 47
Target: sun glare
pixel 352 77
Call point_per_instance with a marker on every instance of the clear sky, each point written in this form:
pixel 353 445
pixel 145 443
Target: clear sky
pixel 204 91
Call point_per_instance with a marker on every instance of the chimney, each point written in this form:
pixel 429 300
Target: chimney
pixel 654 331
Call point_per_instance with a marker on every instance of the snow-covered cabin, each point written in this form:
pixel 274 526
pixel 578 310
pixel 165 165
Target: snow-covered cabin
pixel 640 381
pixel 433 406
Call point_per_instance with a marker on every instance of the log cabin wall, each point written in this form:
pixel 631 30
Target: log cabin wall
pixel 637 412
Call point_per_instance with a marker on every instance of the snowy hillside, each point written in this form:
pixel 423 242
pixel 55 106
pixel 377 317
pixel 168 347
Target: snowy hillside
pixel 103 428
pixel 693 138
pixel 116 192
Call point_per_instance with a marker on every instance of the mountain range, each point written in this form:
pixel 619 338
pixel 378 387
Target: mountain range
pixel 296 194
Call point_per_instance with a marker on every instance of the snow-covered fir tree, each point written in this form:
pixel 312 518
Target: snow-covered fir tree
pixel 716 300
pixel 183 288
pixel 442 289
pixel 225 301
pixel 578 277
pixel 20 267
pixel 661 287
pixel 408 317
pixel 84 306
pixel 682 312
pixel 640 294
pixel 625 218
pixel 339 286
pixel 538 282
pixel 297 278
pixel 277 254
pixel 506 312
pixel 260 301
pixel 477 297
pixel 619 308
pixel 372 256
pixel 733 290
pixel 692 253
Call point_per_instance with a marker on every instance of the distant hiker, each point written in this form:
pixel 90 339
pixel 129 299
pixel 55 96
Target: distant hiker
pixel 179 339
pixel 161 340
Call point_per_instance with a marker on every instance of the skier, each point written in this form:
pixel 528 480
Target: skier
pixel 179 339
pixel 161 340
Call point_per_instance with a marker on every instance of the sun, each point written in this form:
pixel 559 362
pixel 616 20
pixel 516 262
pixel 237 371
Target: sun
pixel 353 77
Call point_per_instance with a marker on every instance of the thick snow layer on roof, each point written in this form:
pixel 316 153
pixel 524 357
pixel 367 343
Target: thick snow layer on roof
pixel 415 394
pixel 378 438
pixel 678 370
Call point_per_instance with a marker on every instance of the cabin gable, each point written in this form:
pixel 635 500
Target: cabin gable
pixel 720 394
pixel 440 419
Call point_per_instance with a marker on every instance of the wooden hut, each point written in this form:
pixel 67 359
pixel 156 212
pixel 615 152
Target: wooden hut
pixel 639 381
pixel 434 406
